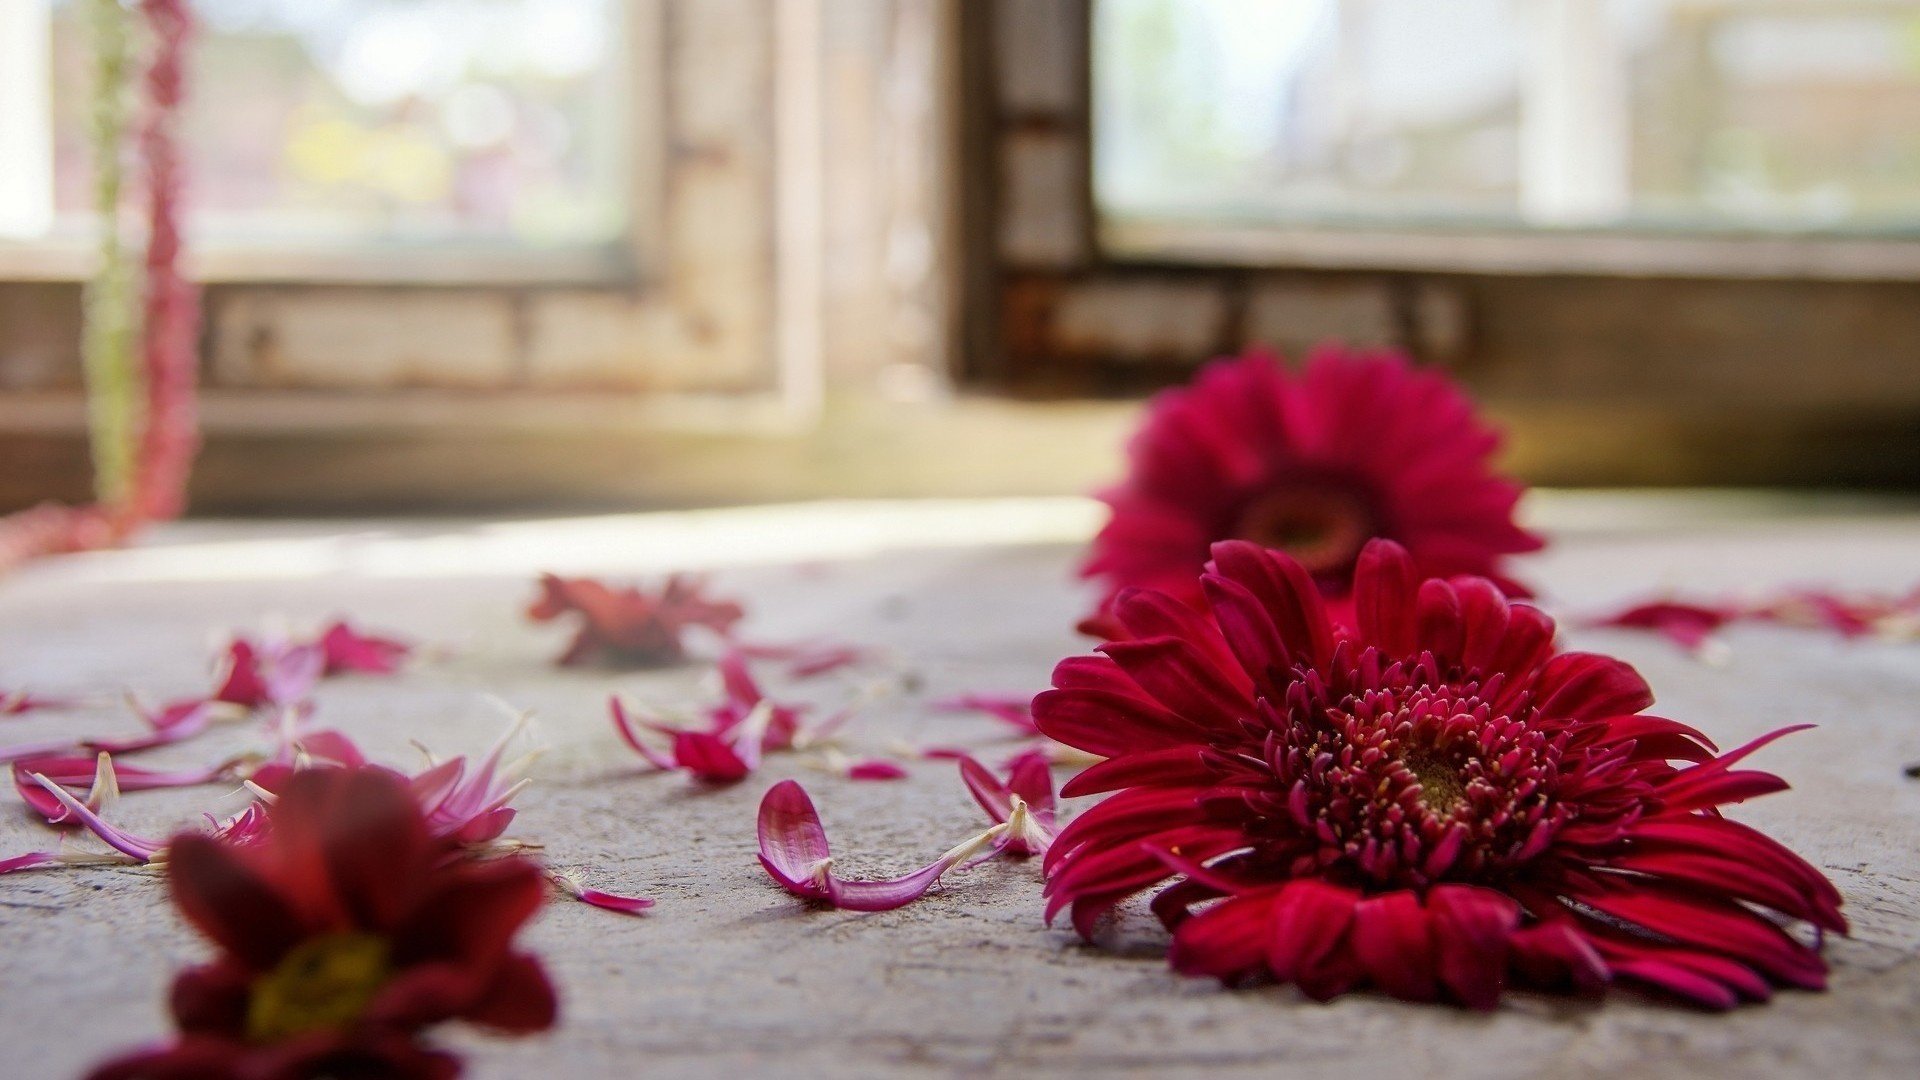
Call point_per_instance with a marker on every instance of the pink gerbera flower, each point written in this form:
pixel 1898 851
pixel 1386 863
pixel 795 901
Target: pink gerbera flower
pixel 1315 463
pixel 1434 802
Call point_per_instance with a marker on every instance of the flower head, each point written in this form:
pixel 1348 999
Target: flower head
pixel 1434 802
pixel 341 936
pixel 1315 463
pixel 630 627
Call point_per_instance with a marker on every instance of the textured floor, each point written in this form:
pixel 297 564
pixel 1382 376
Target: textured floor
pixel 729 977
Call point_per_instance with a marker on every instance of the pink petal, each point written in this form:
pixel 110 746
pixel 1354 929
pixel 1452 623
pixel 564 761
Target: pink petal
pixel 626 905
pixel 875 769
pixel 793 843
pixel 623 726
pixel 1015 711
pixel 345 649
pixel 119 839
pixel 31 860
pixel 793 848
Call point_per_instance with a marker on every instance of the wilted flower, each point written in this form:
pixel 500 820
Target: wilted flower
pixel 1314 463
pixel 341 938
pixel 1433 802
pixel 630 627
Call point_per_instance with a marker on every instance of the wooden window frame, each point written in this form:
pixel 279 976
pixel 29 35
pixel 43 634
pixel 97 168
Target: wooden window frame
pixel 1058 307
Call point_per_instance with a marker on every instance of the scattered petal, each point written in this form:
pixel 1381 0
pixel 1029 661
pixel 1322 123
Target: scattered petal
pixel 1013 710
pixel 572 886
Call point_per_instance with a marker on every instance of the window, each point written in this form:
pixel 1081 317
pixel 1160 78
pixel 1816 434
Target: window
pixel 369 125
pixel 1658 116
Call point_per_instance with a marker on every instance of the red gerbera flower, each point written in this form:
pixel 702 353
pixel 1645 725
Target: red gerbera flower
pixel 628 627
pixel 343 934
pixel 1434 803
pixel 1315 463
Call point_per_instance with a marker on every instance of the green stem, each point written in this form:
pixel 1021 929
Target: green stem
pixel 107 348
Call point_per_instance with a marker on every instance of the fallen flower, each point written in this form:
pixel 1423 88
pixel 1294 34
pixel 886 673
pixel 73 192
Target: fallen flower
pixel 793 848
pixel 341 939
pixel 1314 462
pixel 629 627
pixel 1432 801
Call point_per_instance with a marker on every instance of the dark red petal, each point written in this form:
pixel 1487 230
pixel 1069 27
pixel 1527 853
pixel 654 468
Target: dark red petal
pixel 1108 723
pixel 1286 590
pixel 211 998
pixel 366 829
pixel 1228 941
pixel 1471 931
pixel 1176 766
pixel 1392 937
pixel 1587 686
pixel 1555 956
pixel 519 999
pixel 1384 581
pixel 471 913
pixel 1308 946
pixel 1713 924
pixel 231 904
pixel 1177 675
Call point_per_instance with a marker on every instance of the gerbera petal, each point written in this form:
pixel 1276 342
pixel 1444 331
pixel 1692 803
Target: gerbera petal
pixel 1393 938
pixel 1472 932
pixel 230 903
pixel 519 998
pixel 1587 686
pixel 1179 678
pixel 1228 941
pixel 1307 943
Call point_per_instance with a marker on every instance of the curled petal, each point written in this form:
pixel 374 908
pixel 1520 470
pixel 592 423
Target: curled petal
pixel 793 848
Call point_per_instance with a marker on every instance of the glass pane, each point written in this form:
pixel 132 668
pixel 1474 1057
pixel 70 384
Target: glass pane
pixel 1687 114
pixel 386 120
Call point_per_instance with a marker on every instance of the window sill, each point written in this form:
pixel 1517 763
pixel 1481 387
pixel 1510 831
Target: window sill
pixel 611 265
pixel 1487 251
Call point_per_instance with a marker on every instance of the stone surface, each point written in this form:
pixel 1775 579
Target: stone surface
pixel 730 977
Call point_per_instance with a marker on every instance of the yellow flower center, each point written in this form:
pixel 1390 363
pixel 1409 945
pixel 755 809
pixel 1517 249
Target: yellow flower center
pixel 326 982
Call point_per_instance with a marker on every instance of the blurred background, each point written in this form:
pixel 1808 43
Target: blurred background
pixel 489 255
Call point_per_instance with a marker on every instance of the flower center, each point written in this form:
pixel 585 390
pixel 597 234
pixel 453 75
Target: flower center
pixel 1395 776
pixel 1322 522
pixel 1441 787
pixel 325 982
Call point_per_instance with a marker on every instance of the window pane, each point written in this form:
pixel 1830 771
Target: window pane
pixel 386 120
pixel 1686 114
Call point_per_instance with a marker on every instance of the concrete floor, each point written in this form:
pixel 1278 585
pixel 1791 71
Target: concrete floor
pixel 728 976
